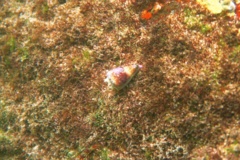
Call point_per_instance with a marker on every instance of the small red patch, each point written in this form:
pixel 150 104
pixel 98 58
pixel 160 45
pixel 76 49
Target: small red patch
pixel 146 15
pixel 237 11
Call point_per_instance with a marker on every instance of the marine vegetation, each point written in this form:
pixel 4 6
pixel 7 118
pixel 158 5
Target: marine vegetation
pixel 173 65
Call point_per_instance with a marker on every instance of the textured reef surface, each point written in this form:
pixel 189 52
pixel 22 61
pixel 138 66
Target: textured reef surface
pixel 172 69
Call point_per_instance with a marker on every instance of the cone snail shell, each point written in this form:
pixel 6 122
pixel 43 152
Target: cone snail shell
pixel 119 77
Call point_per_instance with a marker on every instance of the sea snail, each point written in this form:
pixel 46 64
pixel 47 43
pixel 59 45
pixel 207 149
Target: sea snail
pixel 119 77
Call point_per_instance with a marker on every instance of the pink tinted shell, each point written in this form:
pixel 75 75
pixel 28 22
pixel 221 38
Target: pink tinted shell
pixel 119 77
